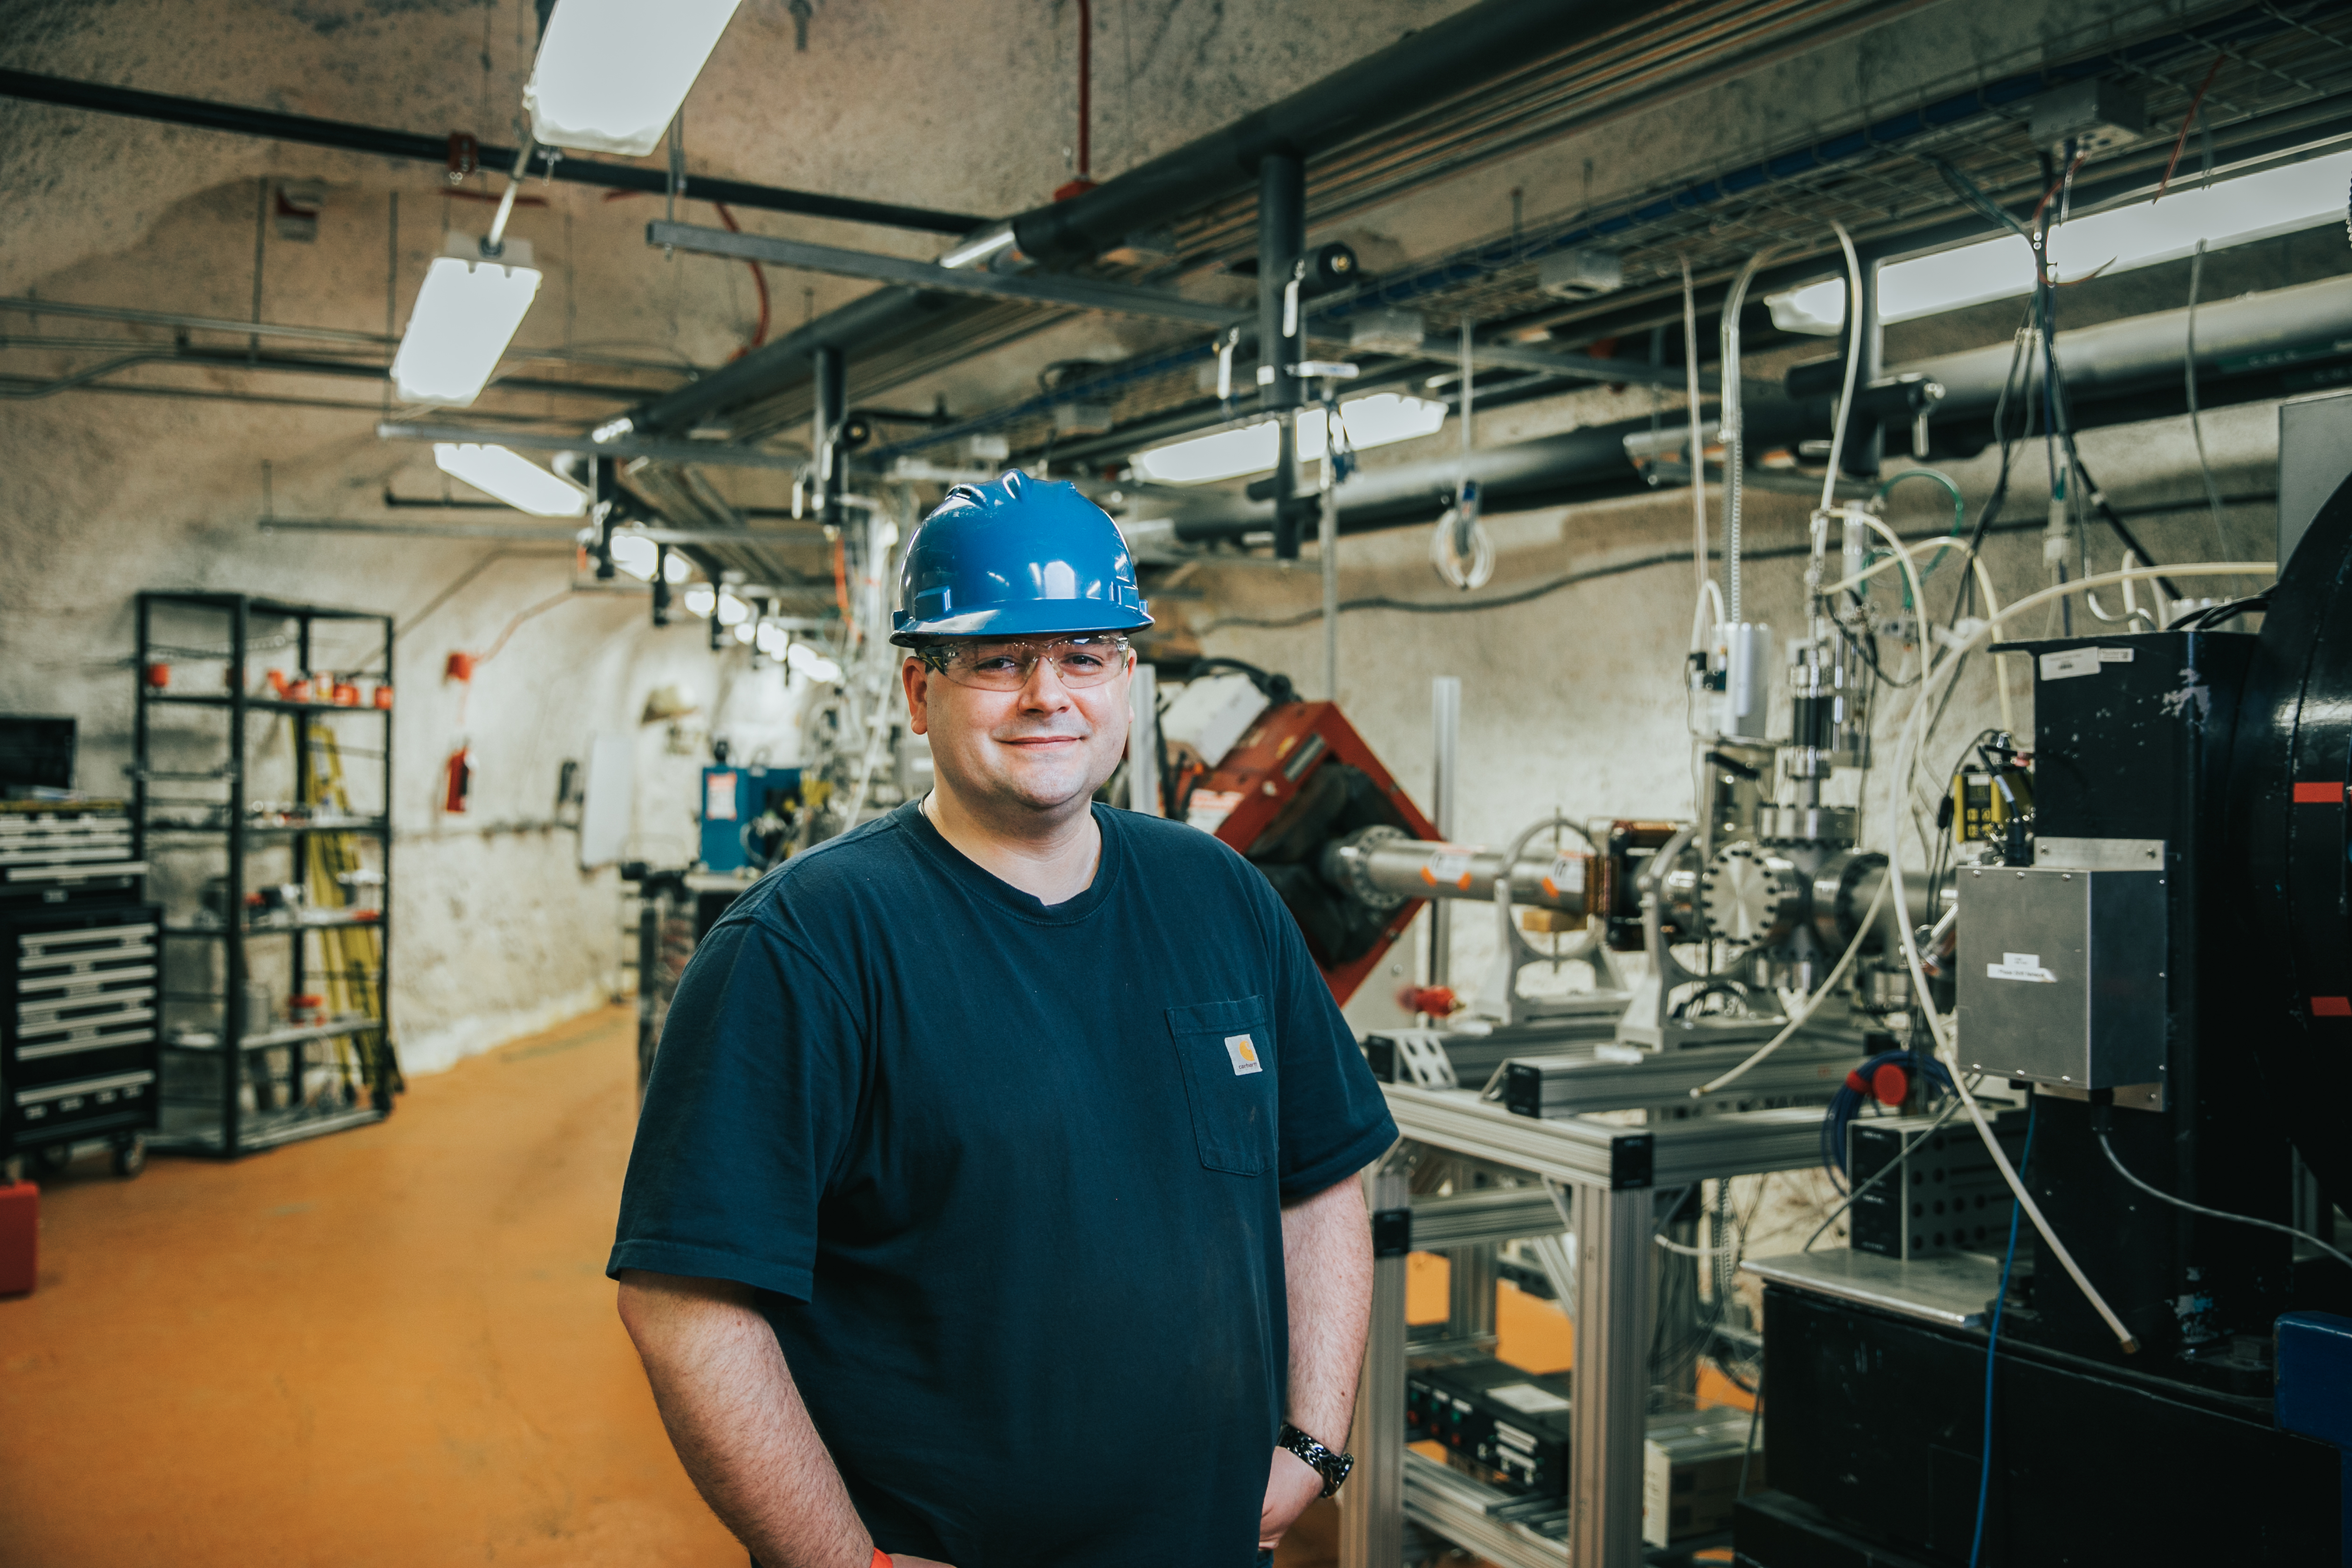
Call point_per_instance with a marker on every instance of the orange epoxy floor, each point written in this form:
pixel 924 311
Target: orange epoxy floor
pixel 395 1345
pixel 390 1346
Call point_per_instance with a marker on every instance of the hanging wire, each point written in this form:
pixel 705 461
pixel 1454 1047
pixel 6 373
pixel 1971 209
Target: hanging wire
pixel 2196 420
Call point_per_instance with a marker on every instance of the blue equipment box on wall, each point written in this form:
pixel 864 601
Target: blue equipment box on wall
pixel 732 798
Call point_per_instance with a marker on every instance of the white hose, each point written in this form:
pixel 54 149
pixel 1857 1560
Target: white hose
pixel 1853 362
pixel 1813 1004
pixel 1984 585
pixel 1697 453
pixel 1906 757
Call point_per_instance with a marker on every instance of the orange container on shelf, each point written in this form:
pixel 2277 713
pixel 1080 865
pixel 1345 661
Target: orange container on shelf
pixel 383 697
pixel 20 1234
pixel 346 694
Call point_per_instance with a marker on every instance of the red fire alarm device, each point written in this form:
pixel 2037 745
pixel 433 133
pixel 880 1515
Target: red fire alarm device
pixel 461 780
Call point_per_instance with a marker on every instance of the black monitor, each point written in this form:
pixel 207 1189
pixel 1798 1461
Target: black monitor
pixel 36 752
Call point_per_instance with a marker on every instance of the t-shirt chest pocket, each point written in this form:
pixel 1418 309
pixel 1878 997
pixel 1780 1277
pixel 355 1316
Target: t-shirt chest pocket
pixel 1226 1052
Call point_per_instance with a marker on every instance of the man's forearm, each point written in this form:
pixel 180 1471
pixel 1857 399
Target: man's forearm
pixel 1327 1257
pixel 738 1423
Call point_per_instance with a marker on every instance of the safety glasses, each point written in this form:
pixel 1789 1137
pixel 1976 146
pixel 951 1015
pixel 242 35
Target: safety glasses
pixel 1006 666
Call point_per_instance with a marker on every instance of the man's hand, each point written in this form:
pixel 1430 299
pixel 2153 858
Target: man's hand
pixel 1290 1486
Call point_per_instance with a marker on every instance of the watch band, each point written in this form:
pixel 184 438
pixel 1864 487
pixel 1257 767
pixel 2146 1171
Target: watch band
pixel 1333 1468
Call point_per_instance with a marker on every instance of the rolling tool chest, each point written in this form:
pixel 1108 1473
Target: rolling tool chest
pixel 79 973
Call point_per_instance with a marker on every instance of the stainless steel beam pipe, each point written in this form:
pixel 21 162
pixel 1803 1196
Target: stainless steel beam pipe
pixel 1385 871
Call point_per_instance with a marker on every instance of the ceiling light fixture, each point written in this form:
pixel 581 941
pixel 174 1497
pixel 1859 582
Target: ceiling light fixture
pixel 638 556
pixel 466 315
pixel 611 74
pixel 813 665
pixel 2231 212
pixel 702 599
pixel 513 479
pixel 1377 420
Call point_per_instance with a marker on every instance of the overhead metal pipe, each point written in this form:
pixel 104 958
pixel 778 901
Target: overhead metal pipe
pixel 301 128
pixel 1453 59
pixel 1457 56
pixel 2115 373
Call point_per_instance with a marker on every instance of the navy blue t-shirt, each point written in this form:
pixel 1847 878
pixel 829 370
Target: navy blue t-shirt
pixel 1008 1178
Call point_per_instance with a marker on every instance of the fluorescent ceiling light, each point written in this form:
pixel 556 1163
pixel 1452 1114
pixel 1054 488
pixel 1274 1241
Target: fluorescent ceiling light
pixel 512 479
pixel 813 665
pixel 611 74
pixel 2233 212
pixel 636 555
pixel 734 612
pixel 466 315
pixel 1373 421
pixel 700 598
pixel 743 630
pixel 771 639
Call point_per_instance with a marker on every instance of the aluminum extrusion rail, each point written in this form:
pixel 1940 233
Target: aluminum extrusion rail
pixel 1580 1152
pixel 1456 1508
pixel 1489 1213
pixel 1050 289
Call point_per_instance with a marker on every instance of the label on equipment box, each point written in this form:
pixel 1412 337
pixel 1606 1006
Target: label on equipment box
pixel 1208 808
pixel 1447 867
pixel 719 798
pixel 1528 1399
pixel 1566 876
pixel 2075 661
pixel 2020 966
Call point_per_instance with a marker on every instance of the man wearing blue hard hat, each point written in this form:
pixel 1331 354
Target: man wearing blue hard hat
pixel 993 1198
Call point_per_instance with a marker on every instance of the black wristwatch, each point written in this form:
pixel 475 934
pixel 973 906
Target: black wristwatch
pixel 1333 1468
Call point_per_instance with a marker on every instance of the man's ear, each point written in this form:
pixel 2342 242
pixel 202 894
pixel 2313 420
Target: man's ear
pixel 916 677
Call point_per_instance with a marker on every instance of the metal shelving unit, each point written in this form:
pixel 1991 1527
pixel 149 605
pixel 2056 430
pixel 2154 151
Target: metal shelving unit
pixel 206 1087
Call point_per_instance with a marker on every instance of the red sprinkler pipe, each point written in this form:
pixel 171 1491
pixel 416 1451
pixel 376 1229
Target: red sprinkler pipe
pixel 1084 180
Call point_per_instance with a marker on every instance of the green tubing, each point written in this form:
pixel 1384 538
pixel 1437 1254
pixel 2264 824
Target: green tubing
pixel 1960 507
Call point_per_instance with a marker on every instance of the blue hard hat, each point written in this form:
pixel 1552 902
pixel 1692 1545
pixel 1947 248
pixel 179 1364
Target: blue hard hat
pixel 1014 558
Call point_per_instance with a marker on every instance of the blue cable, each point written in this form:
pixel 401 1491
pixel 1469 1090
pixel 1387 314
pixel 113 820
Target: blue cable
pixel 1992 1342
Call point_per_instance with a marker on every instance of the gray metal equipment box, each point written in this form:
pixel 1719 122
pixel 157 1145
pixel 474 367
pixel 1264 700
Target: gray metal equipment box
pixel 2315 448
pixel 2061 975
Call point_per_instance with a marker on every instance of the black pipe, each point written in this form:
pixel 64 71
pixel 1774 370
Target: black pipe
pixel 1453 57
pixel 1865 444
pixel 239 120
pixel 2264 136
pixel 864 321
pixel 1281 244
pixel 2257 346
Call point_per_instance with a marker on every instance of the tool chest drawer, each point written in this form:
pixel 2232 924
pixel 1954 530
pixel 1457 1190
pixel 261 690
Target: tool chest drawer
pixel 79 990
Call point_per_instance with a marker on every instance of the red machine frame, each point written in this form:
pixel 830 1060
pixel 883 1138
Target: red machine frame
pixel 1255 782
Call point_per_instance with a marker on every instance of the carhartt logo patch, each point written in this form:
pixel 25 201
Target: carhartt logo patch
pixel 1244 1054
